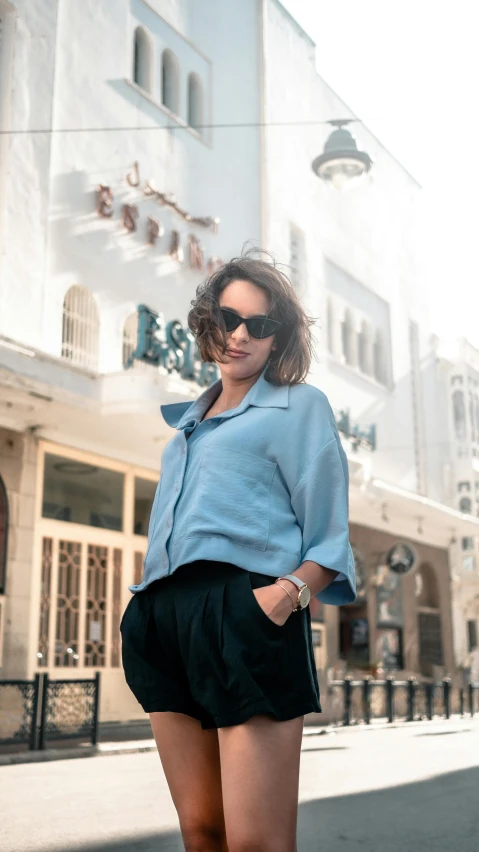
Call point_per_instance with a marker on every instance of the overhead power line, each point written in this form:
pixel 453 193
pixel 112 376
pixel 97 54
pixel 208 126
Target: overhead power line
pixel 136 128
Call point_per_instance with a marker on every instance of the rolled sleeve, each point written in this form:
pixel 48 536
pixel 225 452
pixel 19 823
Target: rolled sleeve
pixel 320 503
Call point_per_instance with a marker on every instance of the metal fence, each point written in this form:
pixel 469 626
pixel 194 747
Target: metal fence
pixel 352 701
pixel 34 712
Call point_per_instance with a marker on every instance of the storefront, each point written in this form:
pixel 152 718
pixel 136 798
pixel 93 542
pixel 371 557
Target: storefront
pixel 80 458
pixel 402 620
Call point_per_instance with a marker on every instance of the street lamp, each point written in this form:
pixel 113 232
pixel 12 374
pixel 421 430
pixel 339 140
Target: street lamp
pixel 342 163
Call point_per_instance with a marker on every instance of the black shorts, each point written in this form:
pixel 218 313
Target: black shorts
pixel 197 642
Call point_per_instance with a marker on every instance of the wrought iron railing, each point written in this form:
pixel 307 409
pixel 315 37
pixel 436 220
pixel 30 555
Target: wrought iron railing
pixel 352 701
pixel 34 712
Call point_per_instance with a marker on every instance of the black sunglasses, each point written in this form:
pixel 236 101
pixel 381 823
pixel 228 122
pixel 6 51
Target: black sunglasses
pixel 259 327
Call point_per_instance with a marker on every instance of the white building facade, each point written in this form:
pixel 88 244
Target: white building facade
pixel 148 141
pixel 88 91
pixel 457 367
pixel 357 258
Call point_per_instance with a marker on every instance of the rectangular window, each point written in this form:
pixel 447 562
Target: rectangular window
pixel 144 496
pixel 82 493
pixel 471 635
pixel 469 563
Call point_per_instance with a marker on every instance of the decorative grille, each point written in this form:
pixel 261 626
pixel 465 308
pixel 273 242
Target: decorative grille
pixel 68 604
pixel 96 606
pixel 45 602
pixel 116 607
pixel 80 328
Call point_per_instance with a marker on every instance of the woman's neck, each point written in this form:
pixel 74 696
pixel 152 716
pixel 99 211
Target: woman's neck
pixel 233 392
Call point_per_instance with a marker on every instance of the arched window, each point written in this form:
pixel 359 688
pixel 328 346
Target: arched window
pixel 459 410
pixel 142 54
pixel 379 358
pixel 80 328
pixel 170 78
pixel 330 319
pixel 429 595
pixel 365 346
pixel 348 338
pixel 130 335
pixel 3 535
pixel 195 102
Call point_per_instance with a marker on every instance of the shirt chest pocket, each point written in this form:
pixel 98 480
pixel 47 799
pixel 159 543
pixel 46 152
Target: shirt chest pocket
pixel 232 497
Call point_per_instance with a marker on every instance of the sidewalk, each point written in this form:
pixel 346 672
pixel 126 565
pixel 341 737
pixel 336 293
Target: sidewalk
pixel 455 723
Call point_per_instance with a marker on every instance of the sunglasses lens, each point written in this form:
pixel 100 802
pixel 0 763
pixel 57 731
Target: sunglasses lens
pixel 262 327
pixel 258 327
pixel 231 320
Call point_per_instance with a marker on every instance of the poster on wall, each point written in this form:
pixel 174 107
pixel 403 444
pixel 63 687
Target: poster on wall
pixel 389 599
pixel 389 648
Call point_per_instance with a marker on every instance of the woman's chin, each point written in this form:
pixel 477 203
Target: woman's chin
pixel 240 368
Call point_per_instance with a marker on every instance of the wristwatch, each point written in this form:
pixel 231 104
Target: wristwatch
pixel 304 595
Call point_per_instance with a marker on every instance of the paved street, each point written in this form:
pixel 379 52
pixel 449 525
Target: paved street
pixel 397 790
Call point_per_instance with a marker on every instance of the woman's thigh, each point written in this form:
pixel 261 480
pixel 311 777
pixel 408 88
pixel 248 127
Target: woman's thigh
pixel 191 762
pixel 260 779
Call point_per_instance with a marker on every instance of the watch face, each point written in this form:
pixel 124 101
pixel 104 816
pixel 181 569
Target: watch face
pixel 304 597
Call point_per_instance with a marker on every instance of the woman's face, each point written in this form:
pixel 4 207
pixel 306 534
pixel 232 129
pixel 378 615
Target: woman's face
pixel 248 300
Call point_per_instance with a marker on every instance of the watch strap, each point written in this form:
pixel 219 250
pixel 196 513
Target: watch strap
pixel 296 580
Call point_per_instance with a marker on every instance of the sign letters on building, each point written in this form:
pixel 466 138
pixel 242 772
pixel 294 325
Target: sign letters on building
pixel 172 347
pixel 154 228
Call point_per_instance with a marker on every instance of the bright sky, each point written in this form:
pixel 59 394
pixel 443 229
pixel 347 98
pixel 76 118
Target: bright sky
pixel 410 70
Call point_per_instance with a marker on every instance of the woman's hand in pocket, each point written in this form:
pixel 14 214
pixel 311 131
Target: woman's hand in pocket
pixel 274 602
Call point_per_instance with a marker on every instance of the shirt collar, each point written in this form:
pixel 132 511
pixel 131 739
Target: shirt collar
pixel 262 394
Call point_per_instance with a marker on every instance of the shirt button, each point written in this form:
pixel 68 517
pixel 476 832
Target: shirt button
pixel 177 486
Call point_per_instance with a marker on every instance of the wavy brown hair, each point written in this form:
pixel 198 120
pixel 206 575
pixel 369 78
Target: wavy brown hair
pixel 290 363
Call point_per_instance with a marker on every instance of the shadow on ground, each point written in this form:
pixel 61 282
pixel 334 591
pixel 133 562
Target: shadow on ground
pixel 438 814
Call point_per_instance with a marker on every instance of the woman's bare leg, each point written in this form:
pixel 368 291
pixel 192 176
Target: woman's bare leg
pixel 260 779
pixel 190 759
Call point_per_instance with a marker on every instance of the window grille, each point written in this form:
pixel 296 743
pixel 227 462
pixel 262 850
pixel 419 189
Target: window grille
pixel 80 328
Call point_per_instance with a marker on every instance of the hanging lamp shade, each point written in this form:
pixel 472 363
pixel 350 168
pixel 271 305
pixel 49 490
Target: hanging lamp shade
pixel 342 163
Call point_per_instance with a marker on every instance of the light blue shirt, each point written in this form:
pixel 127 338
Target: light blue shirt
pixel 263 486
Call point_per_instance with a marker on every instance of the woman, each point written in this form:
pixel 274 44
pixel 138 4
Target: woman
pixel 250 518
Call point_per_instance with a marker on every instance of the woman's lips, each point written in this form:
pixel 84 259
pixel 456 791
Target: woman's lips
pixel 236 354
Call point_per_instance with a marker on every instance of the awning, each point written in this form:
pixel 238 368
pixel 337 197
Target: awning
pixel 385 506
